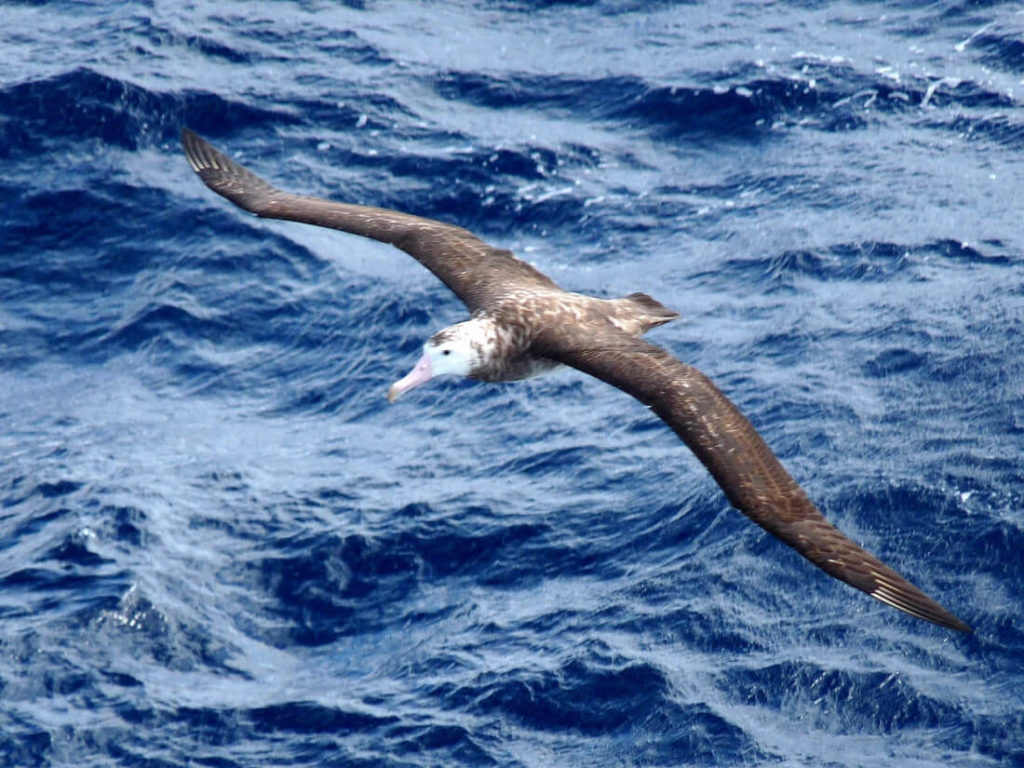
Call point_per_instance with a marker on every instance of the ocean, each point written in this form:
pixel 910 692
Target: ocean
pixel 220 546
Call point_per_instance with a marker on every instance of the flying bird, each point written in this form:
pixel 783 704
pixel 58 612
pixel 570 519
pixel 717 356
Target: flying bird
pixel 522 324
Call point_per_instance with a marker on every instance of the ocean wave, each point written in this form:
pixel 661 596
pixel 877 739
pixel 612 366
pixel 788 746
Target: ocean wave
pixel 111 111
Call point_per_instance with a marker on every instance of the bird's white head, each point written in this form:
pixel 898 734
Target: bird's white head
pixel 458 350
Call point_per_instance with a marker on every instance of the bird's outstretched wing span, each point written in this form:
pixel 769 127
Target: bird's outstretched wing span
pixel 474 270
pixel 753 479
pixel 725 442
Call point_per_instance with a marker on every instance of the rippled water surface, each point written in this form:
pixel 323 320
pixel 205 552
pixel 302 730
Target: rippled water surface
pixel 219 546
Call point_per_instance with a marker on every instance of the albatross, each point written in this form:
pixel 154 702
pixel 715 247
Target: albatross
pixel 521 324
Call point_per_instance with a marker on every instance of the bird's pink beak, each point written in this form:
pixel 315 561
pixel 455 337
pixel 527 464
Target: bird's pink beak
pixel 420 374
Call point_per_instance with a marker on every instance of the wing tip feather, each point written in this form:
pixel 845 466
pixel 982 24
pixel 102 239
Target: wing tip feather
pixel 224 176
pixel 195 146
pixel 919 606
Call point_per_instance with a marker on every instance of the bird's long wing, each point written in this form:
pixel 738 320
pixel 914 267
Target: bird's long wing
pixel 743 465
pixel 474 270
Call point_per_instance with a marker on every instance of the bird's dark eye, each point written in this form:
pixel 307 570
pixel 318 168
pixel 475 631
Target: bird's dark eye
pixel 446 351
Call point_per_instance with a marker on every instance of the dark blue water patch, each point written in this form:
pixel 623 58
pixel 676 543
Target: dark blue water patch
pixel 839 99
pixel 621 232
pixel 528 90
pixel 705 738
pixel 891 362
pixel 42 672
pixel 997 542
pixel 976 473
pixel 965 371
pixel 113 112
pixel 871 702
pixel 338 585
pixel 125 525
pixel 208 47
pixel 80 255
pixel 479 168
pixel 959 251
pixel 71 580
pixel 588 696
pixel 57 489
pixel 24 744
pixel 14 488
pixel 1000 51
pixel 215 737
pixel 172 304
pixel 860 262
pixel 673 113
pixel 1002 130
pixel 1003 631
pixel 450 550
pixel 16 138
pixel 152 39
pixel 120 679
pixel 855 262
pixel 880 507
pixel 863 262
pixel 367 110
pixel 668 112
pixel 532 6
pixel 299 733
pixel 998 737
pixel 33 520
pixel 958 9
pixel 470 166
pixel 225 246
pixel 557 461
pixel 851 96
pixel 155 39
pixel 708 631
pixel 310 717
pixel 454 740
pixel 163 320
pixel 595 696
pixel 211 113
pixel 74 550
pixel 79 248
pixel 334 586
pixel 348 45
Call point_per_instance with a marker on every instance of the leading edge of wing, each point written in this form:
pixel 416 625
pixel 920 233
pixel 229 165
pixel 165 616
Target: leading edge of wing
pixel 743 465
pixel 472 269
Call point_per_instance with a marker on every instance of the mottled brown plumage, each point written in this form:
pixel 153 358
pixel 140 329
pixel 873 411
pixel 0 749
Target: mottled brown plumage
pixel 523 324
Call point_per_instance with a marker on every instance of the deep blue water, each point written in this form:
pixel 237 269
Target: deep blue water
pixel 219 546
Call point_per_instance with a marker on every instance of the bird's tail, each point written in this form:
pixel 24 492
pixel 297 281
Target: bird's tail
pixel 644 311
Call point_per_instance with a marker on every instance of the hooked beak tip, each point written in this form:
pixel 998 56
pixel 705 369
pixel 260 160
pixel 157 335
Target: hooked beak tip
pixel 418 375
